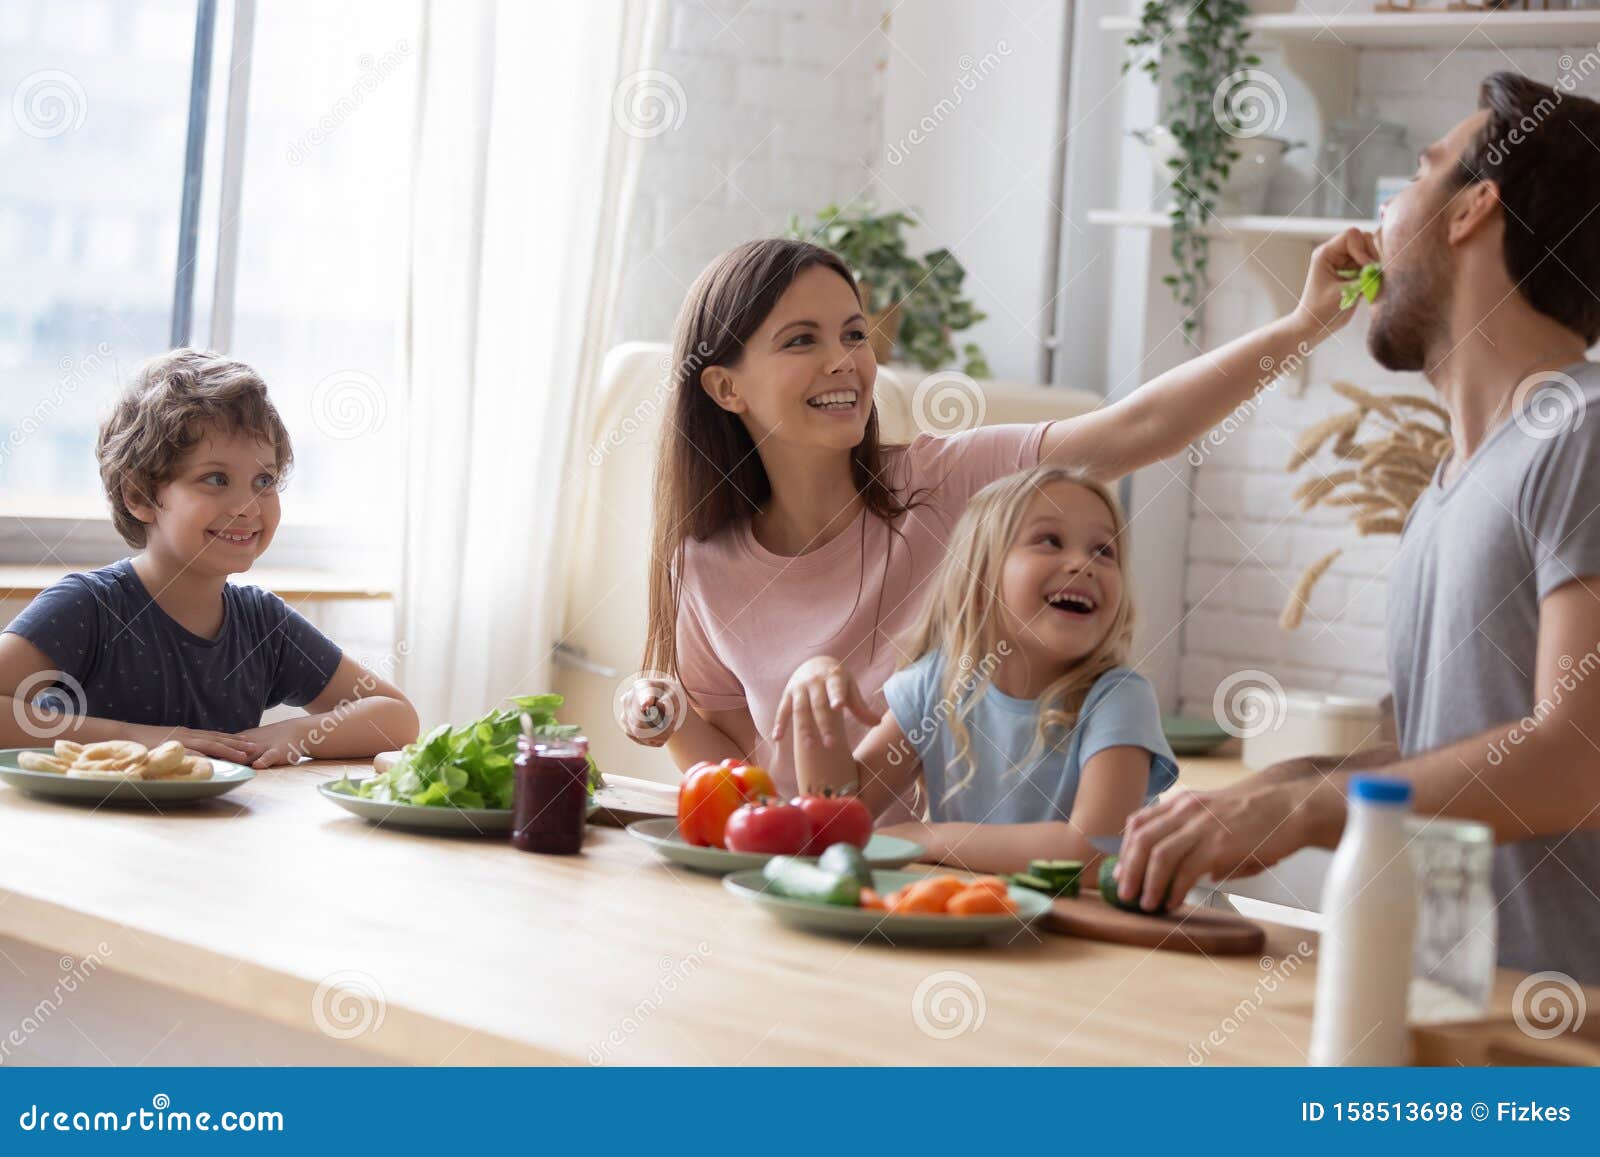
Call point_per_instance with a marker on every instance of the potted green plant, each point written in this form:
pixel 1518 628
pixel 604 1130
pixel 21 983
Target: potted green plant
pixel 1200 46
pixel 914 304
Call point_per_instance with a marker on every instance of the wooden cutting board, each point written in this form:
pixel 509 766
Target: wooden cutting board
pixel 622 800
pixel 1208 931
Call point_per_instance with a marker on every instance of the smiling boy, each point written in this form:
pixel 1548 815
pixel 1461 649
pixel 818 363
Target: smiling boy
pixel 161 646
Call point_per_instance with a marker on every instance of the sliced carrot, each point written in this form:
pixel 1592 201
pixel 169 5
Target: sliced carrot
pixel 919 899
pixel 939 887
pixel 993 883
pixel 871 899
pixel 979 902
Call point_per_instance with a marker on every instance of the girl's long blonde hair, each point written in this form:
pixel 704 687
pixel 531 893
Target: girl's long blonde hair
pixel 962 616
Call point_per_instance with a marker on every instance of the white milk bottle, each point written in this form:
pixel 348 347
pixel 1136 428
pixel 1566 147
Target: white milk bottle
pixel 1369 908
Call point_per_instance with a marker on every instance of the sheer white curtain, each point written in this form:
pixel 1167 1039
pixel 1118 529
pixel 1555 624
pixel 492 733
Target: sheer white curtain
pixel 522 183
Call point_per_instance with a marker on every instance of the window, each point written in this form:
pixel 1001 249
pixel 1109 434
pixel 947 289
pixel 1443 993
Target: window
pixel 300 235
pixel 91 174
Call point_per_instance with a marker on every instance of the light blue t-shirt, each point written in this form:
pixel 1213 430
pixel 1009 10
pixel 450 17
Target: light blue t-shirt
pixel 1119 711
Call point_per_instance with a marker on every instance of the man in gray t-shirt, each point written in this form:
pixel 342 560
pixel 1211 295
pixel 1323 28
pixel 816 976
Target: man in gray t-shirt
pixel 1478 558
pixel 1489 262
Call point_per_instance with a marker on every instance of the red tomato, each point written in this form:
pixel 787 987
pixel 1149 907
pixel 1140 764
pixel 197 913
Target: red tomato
pixel 769 826
pixel 710 793
pixel 835 819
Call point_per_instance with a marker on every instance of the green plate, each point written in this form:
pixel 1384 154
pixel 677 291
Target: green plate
pixel 1192 735
pixel 225 777
pixel 871 924
pixel 471 821
pixel 662 835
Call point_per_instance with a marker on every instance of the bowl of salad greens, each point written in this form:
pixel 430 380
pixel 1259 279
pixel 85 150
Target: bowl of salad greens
pixel 456 778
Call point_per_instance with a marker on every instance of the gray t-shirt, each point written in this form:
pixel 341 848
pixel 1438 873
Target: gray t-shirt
pixel 136 664
pixel 1521 518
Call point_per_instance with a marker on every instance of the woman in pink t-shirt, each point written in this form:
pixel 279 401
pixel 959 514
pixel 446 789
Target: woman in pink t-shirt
pixel 791 547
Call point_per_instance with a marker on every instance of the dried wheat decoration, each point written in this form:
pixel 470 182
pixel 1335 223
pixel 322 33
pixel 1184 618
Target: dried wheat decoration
pixel 1378 478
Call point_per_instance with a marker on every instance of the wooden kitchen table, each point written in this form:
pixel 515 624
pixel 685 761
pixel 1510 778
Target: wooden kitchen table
pixel 270 926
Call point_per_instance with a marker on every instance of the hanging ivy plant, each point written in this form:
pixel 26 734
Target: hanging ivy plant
pixel 1199 45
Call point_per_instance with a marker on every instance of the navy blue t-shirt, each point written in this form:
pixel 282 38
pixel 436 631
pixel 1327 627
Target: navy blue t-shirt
pixel 138 665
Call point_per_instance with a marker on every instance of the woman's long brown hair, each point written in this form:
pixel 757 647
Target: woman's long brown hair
pixel 708 473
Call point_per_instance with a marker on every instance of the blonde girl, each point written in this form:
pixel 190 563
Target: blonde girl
pixel 1018 720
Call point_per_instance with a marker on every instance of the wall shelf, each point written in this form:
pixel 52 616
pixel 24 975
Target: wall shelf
pixel 1238 228
pixel 1410 29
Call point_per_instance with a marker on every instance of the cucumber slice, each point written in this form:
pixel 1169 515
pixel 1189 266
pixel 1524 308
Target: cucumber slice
pixel 1033 883
pixel 1059 871
pixel 1063 875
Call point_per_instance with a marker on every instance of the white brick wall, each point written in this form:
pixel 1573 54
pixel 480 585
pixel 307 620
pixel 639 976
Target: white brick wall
pixel 1247 548
pixel 781 115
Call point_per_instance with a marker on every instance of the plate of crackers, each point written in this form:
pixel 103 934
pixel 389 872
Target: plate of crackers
pixel 119 771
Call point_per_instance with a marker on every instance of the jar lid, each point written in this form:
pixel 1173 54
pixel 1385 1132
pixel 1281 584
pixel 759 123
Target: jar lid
pixel 556 747
pixel 1380 789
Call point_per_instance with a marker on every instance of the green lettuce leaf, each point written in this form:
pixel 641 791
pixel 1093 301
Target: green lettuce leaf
pixel 470 766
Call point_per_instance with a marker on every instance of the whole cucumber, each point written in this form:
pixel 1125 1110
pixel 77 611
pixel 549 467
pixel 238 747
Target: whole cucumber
pixel 847 860
pixel 1108 891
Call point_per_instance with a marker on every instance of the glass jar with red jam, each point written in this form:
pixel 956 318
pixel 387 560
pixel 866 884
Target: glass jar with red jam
pixel 550 794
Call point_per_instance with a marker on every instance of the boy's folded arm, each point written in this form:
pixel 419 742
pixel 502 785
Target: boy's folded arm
pixel 358 713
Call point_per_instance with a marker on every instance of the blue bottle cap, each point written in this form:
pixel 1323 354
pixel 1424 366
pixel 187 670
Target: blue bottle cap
pixel 1380 789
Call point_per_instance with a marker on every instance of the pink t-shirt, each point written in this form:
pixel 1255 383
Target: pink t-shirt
pixel 747 617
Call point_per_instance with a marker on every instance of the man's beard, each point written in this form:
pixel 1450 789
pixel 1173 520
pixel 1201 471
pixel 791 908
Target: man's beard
pixel 1412 322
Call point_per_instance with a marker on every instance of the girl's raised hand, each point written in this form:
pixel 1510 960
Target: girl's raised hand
pixel 815 700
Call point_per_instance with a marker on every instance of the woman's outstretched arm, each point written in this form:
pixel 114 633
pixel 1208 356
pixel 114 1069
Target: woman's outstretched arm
pixel 1168 412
